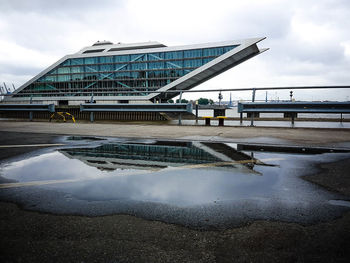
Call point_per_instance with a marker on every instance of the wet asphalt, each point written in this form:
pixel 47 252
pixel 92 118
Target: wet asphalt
pixel 43 237
pixel 200 198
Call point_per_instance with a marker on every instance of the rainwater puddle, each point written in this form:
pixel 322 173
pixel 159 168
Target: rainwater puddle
pixel 199 184
pixel 340 202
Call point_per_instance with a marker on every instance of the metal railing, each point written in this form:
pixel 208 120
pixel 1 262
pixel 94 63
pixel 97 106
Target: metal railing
pixel 27 108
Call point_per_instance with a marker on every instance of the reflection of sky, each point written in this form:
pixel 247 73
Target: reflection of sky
pixel 49 166
pixel 178 186
pixel 173 185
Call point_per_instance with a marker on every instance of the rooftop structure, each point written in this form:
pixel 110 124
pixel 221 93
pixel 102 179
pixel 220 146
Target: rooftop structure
pixel 126 73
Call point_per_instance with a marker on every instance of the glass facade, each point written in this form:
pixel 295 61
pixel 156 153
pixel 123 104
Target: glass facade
pixel 108 75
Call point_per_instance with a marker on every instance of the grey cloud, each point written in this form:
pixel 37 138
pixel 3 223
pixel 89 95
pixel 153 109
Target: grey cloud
pixel 44 6
pixel 19 69
pixel 56 28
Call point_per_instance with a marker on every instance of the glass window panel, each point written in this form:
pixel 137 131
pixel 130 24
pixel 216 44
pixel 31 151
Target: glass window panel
pixel 77 69
pixel 226 49
pixel 51 78
pixel 141 74
pixel 63 78
pixel 54 71
pixel 174 64
pixel 206 60
pixel 123 58
pixel 136 57
pixel 107 67
pixel 122 75
pixel 77 61
pixel 138 66
pixel 66 63
pixel 91 68
pixel 42 79
pixel 213 51
pixel 193 53
pixel 91 76
pixel 63 70
pixel 92 60
pixel 155 56
pixel 174 55
pixel 108 59
pixel 179 72
pixel 192 63
pixel 77 76
pixel 120 66
pixel 156 65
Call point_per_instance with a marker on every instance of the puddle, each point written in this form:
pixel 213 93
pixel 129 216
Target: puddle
pixel 84 138
pixel 199 184
pixel 340 202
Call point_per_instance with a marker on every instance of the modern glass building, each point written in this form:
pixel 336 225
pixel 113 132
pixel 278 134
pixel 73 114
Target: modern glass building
pixel 129 73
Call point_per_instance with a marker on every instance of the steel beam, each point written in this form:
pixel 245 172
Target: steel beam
pixel 156 107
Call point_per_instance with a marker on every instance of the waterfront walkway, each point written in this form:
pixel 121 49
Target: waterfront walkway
pixel 213 133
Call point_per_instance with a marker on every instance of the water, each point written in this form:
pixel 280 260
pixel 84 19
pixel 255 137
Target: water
pixel 287 123
pixel 198 184
pixel 234 114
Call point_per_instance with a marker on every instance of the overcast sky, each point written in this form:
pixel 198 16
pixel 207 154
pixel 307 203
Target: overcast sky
pixel 309 41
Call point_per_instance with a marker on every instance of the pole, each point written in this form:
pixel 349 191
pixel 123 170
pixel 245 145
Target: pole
pixel 92 113
pixel 252 113
pixel 196 111
pixel 180 115
pixel 31 113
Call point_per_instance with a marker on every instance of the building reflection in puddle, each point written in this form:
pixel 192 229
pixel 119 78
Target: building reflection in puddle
pixel 162 154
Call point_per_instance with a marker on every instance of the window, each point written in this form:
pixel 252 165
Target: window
pixel 93 51
pixel 174 55
pixel 217 51
pixel 106 59
pixel 77 69
pixel 174 64
pixel 50 78
pixel 63 70
pixel 77 76
pixel 77 61
pixel 122 75
pixel 92 60
pixel 136 57
pixel 226 49
pixel 194 53
pixel 107 67
pixel 156 65
pixel 66 63
pixel 138 66
pixel 63 78
pixel 192 63
pixel 155 56
pixel 206 60
pixel 91 68
pixel 123 58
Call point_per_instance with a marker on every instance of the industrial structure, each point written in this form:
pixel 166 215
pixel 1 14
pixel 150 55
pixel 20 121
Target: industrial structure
pixel 132 73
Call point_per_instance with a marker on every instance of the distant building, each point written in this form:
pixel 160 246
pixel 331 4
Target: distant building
pixel 125 73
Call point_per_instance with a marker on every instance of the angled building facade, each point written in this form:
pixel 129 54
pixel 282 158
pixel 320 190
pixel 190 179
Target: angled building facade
pixel 132 73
